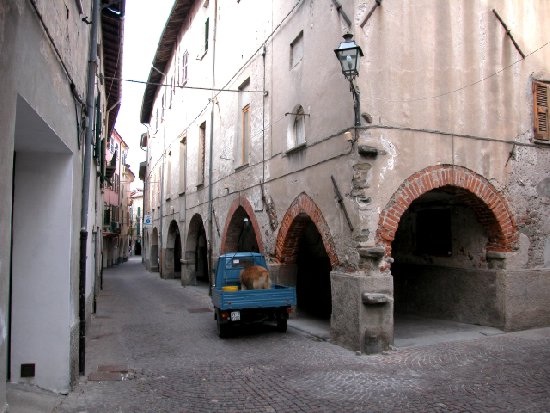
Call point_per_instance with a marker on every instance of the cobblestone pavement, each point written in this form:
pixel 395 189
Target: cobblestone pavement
pixel 166 335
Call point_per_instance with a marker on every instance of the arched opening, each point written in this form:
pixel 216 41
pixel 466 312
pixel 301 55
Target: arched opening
pixel 172 254
pixel 306 256
pixel 440 268
pixel 201 257
pixel 196 252
pixel 240 233
pixel 312 272
pixel 154 251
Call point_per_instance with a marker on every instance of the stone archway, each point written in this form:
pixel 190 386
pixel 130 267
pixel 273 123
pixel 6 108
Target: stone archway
pixel 287 238
pixel 488 204
pixel 241 232
pixel 445 229
pixel 195 263
pixel 305 251
pixel 171 265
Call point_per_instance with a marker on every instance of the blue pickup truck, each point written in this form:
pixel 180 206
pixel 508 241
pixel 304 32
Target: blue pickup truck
pixel 234 306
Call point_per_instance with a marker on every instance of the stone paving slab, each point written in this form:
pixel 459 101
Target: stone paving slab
pixel 179 364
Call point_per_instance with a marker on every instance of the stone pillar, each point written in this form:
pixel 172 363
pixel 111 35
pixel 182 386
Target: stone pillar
pixel 167 263
pixel 153 261
pixel 376 316
pixel 362 304
pixel 285 274
pixel 188 276
pixel 362 311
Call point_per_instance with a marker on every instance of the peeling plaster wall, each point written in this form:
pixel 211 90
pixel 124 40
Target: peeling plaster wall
pixel 432 93
pixel 439 93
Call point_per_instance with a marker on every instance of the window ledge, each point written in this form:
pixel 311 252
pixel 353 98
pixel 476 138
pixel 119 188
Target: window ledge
pixel 296 148
pixel 201 56
pixel 541 142
pixel 241 167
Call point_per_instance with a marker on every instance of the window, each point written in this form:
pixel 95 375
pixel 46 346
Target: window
pixel 201 154
pixel 245 140
pixel 185 59
pixel 540 109
pixel 297 50
pixel 172 91
pixel 106 215
pixel 299 127
pixel 168 172
pixel 296 131
pixel 243 144
pixel 206 30
pixel 181 169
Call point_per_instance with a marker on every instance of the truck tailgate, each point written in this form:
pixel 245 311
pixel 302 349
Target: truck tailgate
pixel 277 296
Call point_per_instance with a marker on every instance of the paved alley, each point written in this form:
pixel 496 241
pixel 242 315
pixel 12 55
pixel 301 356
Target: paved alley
pixel 153 347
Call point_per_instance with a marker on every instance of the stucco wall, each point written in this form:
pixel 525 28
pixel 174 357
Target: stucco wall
pixel 36 105
pixel 456 91
pixel 450 94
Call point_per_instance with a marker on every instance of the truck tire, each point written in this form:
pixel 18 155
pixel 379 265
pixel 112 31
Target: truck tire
pixel 281 325
pixel 223 329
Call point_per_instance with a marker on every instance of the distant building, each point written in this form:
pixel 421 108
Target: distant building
pixel 429 197
pixel 118 178
pixel 136 221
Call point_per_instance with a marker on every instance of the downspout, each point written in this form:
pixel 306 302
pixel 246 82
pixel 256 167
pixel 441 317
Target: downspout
pixel 90 114
pixel 161 209
pixel 144 250
pixel 264 51
pixel 211 152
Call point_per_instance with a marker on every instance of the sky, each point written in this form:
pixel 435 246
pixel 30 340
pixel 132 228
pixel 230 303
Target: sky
pixel 143 24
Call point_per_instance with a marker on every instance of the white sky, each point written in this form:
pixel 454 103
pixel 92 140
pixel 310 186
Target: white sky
pixel 143 24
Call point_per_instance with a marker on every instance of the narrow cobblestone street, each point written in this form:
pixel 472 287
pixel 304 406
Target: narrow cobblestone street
pixel 165 336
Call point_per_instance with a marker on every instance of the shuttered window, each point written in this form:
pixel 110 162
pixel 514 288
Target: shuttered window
pixel 184 61
pixel 540 100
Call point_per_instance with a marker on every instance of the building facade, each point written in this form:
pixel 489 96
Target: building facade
pixel 434 204
pixel 54 112
pixel 116 192
pixel 136 221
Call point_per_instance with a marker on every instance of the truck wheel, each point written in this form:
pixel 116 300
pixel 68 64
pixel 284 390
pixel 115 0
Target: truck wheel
pixel 223 329
pixel 281 325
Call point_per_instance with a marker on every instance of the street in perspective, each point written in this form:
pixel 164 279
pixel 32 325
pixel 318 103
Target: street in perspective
pixel 274 206
pixel 153 347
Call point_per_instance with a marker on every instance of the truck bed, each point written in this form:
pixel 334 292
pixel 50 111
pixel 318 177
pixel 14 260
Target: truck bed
pixel 276 296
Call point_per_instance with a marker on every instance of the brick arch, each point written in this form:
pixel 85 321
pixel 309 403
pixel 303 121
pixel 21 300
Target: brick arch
pixel 241 202
pixel 293 223
pixel 489 206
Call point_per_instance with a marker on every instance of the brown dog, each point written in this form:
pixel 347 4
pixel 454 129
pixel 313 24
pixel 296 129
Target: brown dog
pixel 255 277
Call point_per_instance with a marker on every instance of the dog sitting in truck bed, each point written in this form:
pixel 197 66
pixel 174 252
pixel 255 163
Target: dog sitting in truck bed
pixel 255 277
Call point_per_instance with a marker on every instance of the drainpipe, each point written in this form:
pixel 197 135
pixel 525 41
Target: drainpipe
pixel 161 209
pixel 90 115
pixel 144 250
pixel 211 152
pixel 264 51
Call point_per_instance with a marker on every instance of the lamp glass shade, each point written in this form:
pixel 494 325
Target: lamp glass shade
pixel 348 54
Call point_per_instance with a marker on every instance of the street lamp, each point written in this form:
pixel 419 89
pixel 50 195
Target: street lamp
pixel 348 54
